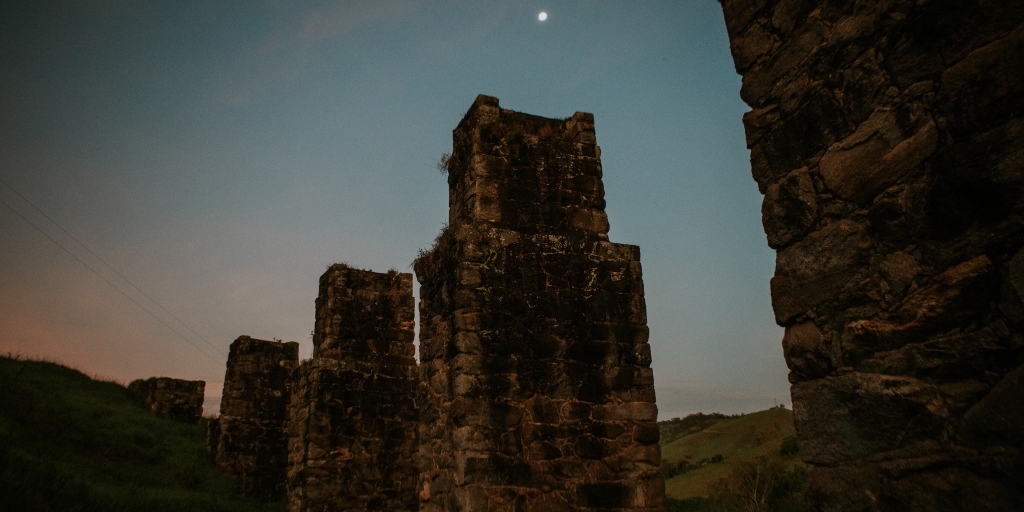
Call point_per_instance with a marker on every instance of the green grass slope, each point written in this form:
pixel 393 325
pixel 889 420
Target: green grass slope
pixel 716 447
pixel 70 443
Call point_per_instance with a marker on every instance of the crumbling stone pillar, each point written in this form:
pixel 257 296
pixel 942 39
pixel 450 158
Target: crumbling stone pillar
pixel 252 445
pixel 176 399
pixel 536 385
pixel 352 438
pixel 888 140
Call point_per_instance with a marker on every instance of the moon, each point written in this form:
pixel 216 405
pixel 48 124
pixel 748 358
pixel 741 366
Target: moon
pixel 542 16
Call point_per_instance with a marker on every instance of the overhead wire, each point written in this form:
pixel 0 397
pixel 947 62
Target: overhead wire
pixel 104 262
pixel 112 285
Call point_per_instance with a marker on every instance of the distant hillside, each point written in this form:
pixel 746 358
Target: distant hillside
pixel 70 443
pixel 676 428
pixel 702 449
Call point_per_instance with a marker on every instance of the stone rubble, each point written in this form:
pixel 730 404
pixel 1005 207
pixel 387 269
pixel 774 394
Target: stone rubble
pixel 176 399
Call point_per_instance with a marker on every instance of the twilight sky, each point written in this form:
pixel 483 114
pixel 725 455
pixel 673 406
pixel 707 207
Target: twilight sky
pixel 219 155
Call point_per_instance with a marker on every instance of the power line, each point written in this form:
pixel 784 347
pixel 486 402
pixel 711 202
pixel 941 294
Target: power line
pixel 86 265
pixel 104 262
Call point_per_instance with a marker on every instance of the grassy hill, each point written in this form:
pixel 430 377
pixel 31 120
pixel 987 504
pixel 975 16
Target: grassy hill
pixel 71 443
pixel 700 450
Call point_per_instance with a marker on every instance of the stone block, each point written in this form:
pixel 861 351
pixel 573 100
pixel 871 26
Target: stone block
pixel 850 417
pixel 806 350
pixel 176 399
pixel 822 267
pixel 882 151
pixel 996 419
pixel 352 438
pixel 790 209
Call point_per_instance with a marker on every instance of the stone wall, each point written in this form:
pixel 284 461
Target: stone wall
pixel 365 316
pixel 252 444
pixel 352 437
pixel 888 139
pixel 537 392
pixel 179 400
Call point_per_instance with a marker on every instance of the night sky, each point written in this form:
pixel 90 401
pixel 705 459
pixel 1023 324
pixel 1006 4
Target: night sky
pixel 215 157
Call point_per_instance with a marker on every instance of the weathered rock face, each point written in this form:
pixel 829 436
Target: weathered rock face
pixel 537 392
pixel 252 444
pixel 352 436
pixel 365 316
pixel 179 400
pixel 888 139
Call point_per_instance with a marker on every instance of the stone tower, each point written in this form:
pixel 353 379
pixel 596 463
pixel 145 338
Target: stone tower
pixel 537 392
pixel 888 140
pixel 250 444
pixel 352 437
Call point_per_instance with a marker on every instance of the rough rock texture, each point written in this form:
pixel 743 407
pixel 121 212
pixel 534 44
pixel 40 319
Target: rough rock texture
pixel 352 435
pixel 888 139
pixel 365 316
pixel 213 435
pixel 536 384
pixel 252 444
pixel 179 400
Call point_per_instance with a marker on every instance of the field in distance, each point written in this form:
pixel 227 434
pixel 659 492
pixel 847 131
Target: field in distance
pixel 703 449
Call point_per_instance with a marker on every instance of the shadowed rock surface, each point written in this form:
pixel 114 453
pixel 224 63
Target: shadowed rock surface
pixel 888 139
pixel 536 387
pixel 352 432
pixel 177 399
pixel 251 444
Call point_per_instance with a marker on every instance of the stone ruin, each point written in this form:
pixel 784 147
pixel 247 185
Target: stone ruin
pixel 249 439
pixel 352 434
pixel 536 386
pixel 887 137
pixel 534 390
pixel 176 399
pixel 888 140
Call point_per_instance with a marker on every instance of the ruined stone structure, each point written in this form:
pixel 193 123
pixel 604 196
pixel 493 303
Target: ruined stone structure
pixel 537 392
pixel 888 139
pixel 252 443
pixel 179 400
pixel 352 436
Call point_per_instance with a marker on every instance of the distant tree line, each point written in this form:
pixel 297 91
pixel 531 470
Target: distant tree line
pixel 671 469
pixel 678 427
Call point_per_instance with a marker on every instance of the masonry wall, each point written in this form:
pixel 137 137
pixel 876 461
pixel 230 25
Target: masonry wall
pixel 536 389
pixel 176 399
pixel 365 316
pixel 888 139
pixel 352 437
pixel 252 443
